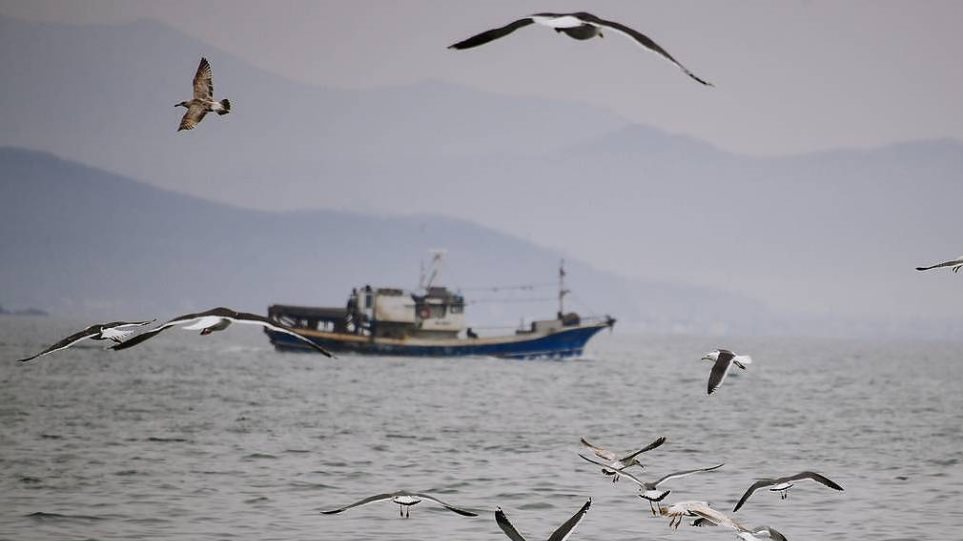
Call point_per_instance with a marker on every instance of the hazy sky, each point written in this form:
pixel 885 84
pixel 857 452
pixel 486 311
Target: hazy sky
pixel 791 76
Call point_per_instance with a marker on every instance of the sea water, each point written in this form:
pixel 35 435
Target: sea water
pixel 221 437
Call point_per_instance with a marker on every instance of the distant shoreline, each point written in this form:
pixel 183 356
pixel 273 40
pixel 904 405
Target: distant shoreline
pixel 24 312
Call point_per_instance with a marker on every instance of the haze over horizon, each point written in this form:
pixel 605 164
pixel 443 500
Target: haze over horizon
pixel 819 171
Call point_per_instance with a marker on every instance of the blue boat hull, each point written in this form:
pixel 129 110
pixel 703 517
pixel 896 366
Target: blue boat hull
pixel 566 342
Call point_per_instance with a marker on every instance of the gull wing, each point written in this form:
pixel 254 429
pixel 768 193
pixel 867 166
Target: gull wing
pixel 715 517
pixel 685 473
pixel 254 319
pixel 951 263
pixel 766 531
pixel 186 318
pixel 640 38
pixel 204 81
pixel 89 332
pixel 648 447
pixel 506 526
pixel 365 501
pixel 449 507
pixel 565 530
pixel 599 452
pixel 821 479
pixel 633 478
pixel 762 483
pixel 491 35
pixel 719 370
pixel 195 113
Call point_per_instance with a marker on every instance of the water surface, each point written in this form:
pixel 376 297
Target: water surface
pixel 220 437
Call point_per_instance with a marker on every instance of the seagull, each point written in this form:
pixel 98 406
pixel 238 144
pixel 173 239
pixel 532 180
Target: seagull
pixel 723 359
pixel 711 517
pixel 404 499
pixel 615 462
pixel 679 510
pixel 115 330
pixel 203 101
pixel 217 319
pixel 650 490
pixel 783 484
pixel 955 263
pixel 561 534
pixel 580 26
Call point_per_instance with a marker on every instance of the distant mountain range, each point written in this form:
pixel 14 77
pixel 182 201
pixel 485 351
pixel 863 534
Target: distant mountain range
pixel 81 241
pixel 682 235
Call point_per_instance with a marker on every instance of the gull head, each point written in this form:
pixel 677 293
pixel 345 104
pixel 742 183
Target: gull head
pixel 711 356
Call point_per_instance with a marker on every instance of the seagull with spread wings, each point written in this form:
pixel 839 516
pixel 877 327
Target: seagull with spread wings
pixel 580 26
pixel 217 319
pixel 405 500
pixel 203 101
pixel 783 484
pixel 616 462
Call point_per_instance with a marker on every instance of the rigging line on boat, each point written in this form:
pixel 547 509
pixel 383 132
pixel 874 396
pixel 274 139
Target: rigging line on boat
pixel 527 299
pixel 579 300
pixel 509 287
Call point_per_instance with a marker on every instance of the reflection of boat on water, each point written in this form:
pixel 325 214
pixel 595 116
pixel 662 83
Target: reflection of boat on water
pixel 390 321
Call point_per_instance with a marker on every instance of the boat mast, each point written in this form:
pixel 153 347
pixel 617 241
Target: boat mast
pixel 561 289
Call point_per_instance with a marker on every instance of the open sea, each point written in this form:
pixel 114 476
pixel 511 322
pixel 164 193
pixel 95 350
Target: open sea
pixel 220 437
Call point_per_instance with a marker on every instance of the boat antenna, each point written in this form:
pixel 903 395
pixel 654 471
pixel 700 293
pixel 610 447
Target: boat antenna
pixel 434 268
pixel 561 288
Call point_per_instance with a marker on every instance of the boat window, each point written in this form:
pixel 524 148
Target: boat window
pixel 456 308
pixel 367 301
pixel 437 310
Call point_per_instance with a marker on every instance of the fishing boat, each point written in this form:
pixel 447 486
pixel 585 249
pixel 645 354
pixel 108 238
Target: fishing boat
pixel 429 322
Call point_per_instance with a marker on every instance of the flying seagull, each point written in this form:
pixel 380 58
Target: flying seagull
pixel 561 534
pixel 217 319
pixel 955 263
pixel 711 517
pixel 203 101
pixel 580 26
pixel 783 484
pixel 650 490
pixel 723 359
pixel 617 463
pixel 405 500
pixel 115 330
pixel 679 510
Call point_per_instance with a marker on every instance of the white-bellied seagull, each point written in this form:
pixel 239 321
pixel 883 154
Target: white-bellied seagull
pixel 561 534
pixel 723 359
pixel 115 330
pixel 405 500
pixel 650 490
pixel 203 101
pixel 783 484
pixel 580 26
pixel 955 263
pixel 217 319
pixel 617 463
